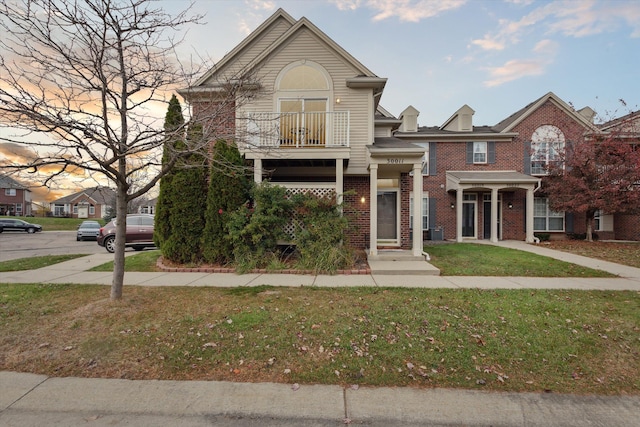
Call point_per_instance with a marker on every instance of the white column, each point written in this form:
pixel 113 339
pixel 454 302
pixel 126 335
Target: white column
pixel 417 209
pixel 529 216
pixel 373 209
pixel 459 214
pixel 339 180
pixel 257 170
pixel 494 215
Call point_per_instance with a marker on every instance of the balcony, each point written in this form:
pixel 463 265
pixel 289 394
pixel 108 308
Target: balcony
pixel 296 130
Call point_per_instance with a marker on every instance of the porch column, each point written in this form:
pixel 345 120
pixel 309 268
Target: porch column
pixel 459 214
pixel 257 170
pixel 339 181
pixel 494 215
pixel 529 216
pixel 417 209
pixel 373 209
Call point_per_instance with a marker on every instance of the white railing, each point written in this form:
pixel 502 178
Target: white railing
pixel 295 130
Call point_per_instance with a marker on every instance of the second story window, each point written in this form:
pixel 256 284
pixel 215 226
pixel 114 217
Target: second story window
pixel 479 152
pixel 547 145
pixel 9 191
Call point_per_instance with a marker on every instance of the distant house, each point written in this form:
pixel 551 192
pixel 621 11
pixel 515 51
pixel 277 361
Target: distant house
pixel 88 203
pixel 149 207
pixel 15 198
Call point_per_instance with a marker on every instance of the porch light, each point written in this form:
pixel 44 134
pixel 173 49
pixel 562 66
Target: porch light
pixel 363 199
pixel 510 205
pixel 338 100
pixel 453 205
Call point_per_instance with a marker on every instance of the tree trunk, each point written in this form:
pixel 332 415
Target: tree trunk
pixel 589 219
pixel 117 282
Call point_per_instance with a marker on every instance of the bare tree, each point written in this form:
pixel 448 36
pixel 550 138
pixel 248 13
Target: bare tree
pixel 85 85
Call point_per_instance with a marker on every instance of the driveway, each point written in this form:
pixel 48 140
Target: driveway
pixel 15 245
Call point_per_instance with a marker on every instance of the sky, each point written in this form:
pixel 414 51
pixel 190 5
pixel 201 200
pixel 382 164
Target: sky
pixel 495 56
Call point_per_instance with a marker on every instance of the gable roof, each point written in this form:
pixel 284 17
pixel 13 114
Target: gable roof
pixel 100 195
pixel 510 122
pixel 7 182
pixel 363 75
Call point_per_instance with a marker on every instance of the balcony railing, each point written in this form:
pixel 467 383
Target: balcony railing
pixel 296 130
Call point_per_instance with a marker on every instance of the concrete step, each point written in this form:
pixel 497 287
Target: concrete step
pixel 400 262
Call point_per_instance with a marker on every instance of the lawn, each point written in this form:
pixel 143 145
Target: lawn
pixel 516 340
pixel 59 224
pixel 627 253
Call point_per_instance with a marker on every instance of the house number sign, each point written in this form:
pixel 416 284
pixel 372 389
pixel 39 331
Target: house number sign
pixel 395 161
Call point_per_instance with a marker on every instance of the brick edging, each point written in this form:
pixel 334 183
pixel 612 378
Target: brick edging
pixel 161 266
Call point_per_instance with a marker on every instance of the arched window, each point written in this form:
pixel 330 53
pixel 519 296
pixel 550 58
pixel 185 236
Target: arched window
pixel 547 143
pixel 303 91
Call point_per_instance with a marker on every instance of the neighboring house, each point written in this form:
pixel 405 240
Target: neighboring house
pixel 15 198
pixel 315 124
pixel 625 226
pixel 148 207
pixel 88 203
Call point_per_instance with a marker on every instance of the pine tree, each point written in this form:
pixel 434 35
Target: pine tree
pixel 229 188
pixel 173 123
pixel 187 207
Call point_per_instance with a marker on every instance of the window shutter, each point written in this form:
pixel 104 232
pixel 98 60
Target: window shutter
pixel 568 222
pixel 491 152
pixel 527 158
pixel 432 158
pixel 432 212
pixel 469 153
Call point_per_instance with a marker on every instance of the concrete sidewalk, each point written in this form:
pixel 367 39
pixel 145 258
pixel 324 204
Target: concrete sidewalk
pixel 36 400
pixel 75 271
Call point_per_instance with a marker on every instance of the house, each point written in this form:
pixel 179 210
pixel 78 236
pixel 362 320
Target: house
pixel 15 198
pixel 87 203
pixel 314 123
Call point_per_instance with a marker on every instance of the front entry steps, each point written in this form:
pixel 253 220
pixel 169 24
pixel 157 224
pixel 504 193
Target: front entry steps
pixel 400 262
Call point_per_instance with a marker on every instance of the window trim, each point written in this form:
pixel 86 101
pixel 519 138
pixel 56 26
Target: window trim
pixel 425 212
pixel 549 214
pixel 485 152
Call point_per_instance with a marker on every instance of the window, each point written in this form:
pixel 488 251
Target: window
pixel 18 208
pixel 9 191
pixel 544 219
pixel 547 144
pixel 425 213
pixel 92 210
pixel 75 209
pixel 597 221
pixel 479 152
pixel 58 210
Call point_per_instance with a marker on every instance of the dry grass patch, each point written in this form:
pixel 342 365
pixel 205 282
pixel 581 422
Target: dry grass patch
pixel 528 340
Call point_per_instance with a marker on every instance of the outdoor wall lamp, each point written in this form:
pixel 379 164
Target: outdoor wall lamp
pixel 510 205
pixel 362 200
pixel 338 100
pixel 453 206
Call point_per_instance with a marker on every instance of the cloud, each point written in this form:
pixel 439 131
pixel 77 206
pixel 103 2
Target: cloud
pixel 513 70
pixel 405 10
pixel 570 18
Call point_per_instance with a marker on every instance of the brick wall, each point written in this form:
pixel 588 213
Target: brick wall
pixel 626 227
pixel 218 118
pixel 357 211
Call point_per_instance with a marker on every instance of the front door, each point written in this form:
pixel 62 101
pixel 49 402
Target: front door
pixel 487 218
pixel 469 216
pixel 387 217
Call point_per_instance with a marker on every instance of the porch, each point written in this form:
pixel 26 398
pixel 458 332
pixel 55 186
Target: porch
pixel 296 130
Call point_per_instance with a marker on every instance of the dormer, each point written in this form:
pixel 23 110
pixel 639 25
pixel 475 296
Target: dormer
pixel 461 121
pixel 588 113
pixel 409 118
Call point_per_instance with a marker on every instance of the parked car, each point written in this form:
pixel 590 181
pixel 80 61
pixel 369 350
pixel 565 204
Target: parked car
pixel 10 224
pixel 139 233
pixel 88 230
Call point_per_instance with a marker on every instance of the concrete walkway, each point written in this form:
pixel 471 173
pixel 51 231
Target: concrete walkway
pixel 75 271
pixel 36 400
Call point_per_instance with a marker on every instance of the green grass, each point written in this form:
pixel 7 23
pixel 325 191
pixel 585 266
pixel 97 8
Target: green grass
pixel 506 340
pixel 468 259
pixel 144 261
pixel 35 262
pixel 59 224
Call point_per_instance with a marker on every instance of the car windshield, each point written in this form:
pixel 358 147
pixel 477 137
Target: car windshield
pixel 90 225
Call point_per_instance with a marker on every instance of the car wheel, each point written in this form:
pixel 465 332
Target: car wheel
pixel 31 230
pixel 110 244
pixel 78 238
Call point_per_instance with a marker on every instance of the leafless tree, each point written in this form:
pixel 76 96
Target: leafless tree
pixel 84 85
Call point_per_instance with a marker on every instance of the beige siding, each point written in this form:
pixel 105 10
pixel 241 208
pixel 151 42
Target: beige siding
pixel 358 102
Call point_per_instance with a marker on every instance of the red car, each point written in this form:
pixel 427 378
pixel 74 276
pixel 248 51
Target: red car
pixel 139 233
